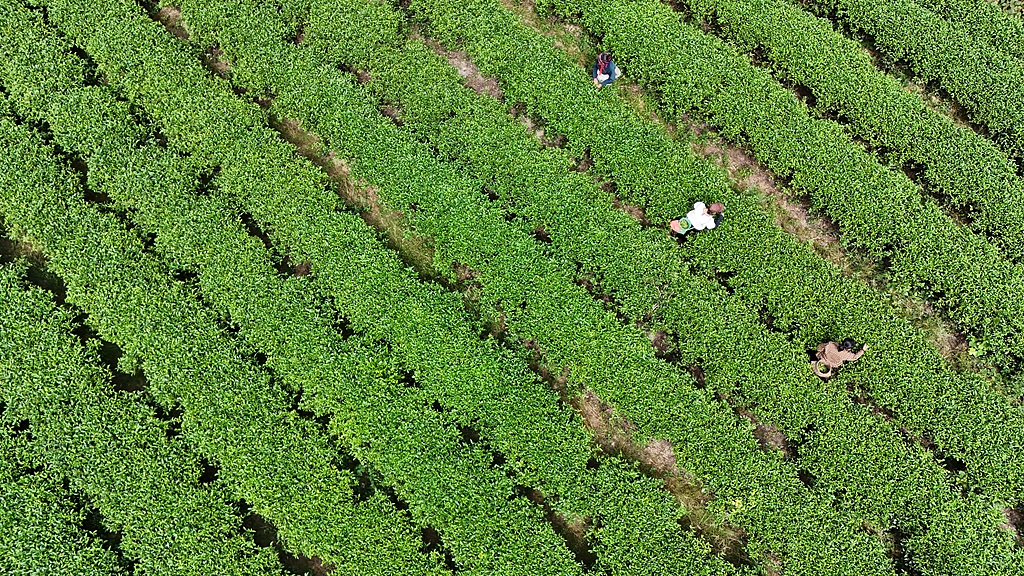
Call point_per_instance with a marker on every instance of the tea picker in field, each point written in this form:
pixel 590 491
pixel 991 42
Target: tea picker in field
pixel 604 71
pixel 702 217
pixel 832 356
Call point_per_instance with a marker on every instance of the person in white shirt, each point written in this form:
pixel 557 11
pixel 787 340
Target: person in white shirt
pixel 701 217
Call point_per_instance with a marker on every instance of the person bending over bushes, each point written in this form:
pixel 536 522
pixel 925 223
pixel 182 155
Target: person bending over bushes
pixel 832 356
pixel 604 71
pixel 700 218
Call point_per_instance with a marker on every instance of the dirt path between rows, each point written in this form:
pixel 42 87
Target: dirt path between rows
pixel 170 17
pixel 415 250
pixel 792 216
pixel 615 436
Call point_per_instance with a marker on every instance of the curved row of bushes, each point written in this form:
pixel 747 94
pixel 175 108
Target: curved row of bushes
pixel 971 174
pixel 985 80
pixel 43 526
pixel 985 20
pixel 113 450
pixel 232 413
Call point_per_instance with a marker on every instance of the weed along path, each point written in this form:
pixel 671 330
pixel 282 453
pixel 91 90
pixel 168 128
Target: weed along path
pixel 261 449
pixel 144 483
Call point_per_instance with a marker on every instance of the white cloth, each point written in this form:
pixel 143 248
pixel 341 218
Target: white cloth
pixel 699 219
pixel 602 77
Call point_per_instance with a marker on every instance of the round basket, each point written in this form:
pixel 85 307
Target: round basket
pixel 677 226
pixel 821 369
